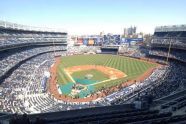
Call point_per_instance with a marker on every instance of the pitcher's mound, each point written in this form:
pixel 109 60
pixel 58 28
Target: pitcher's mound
pixel 88 76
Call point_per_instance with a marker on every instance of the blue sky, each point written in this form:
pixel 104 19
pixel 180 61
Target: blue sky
pixel 94 16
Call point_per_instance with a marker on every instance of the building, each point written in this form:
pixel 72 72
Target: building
pixel 129 31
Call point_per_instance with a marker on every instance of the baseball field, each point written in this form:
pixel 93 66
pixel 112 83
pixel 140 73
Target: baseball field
pixel 82 75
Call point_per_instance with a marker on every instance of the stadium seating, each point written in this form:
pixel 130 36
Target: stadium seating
pixel 26 56
pixel 115 115
pixel 20 56
pixel 163 38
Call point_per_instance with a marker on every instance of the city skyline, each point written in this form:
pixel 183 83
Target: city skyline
pixel 92 17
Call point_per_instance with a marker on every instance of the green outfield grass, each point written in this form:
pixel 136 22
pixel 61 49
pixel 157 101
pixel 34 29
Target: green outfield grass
pixel 97 75
pixel 133 68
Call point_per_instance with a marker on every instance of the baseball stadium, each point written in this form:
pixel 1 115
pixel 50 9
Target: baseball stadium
pixel 97 79
pixel 80 76
pixel 92 62
pixel 47 77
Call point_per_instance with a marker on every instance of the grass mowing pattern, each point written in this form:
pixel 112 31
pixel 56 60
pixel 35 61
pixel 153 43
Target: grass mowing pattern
pixel 132 67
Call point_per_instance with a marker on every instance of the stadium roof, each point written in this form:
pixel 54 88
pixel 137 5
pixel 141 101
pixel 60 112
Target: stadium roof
pixel 10 25
pixel 170 28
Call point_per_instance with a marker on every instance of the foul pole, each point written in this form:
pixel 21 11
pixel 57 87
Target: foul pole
pixel 169 51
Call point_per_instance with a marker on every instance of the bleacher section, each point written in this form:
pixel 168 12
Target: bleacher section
pixel 173 37
pixel 25 54
pixel 25 42
pixel 174 102
pixel 166 35
pixel 14 35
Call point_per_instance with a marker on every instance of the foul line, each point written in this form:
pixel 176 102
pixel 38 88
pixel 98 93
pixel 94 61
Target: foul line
pixel 107 80
pixel 97 82
pixel 69 76
pixel 93 83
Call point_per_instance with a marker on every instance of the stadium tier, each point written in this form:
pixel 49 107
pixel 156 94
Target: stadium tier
pixel 174 35
pixel 14 35
pixel 169 42
pixel 43 80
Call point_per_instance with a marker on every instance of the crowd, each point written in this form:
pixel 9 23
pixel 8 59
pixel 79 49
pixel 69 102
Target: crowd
pixel 132 51
pixel 172 82
pixel 162 82
pixel 175 42
pixel 125 94
pixel 9 60
pixel 22 91
pixel 73 50
pixel 9 38
pixel 21 81
pixel 25 80
pixel 172 54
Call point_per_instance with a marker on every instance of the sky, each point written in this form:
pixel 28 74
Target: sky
pixel 81 17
